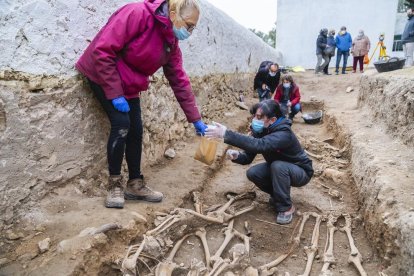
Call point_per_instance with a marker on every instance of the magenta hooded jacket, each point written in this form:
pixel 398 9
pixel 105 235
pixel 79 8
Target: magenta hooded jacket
pixel 136 41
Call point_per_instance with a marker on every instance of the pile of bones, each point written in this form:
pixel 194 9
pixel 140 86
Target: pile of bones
pixel 165 240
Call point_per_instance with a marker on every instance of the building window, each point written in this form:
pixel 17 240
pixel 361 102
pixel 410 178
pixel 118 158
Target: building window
pixel 397 45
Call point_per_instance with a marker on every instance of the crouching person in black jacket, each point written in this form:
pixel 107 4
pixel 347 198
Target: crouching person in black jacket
pixel 286 162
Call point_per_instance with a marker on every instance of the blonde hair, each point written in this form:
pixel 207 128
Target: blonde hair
pixel 179 6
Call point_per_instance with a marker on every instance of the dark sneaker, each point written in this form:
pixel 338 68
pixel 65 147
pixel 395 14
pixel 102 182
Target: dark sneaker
pixel 285 217
pixel 137 190
pixel 344 73
pixel 115 197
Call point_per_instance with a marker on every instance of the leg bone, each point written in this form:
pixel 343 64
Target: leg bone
pixel 311 251
pixel 355 257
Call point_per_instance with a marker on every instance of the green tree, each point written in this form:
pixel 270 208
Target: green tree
pixel 409 3
pixel 269 38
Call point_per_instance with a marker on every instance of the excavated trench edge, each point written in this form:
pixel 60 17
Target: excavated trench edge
pixel 342 137
pixel 383 237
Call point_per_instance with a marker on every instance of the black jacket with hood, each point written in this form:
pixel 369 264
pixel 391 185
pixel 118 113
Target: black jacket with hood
pixel 278 142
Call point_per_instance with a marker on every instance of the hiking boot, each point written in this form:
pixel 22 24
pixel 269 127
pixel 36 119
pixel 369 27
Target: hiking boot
pixel 137 190
pixel 115 197
pixel 285 217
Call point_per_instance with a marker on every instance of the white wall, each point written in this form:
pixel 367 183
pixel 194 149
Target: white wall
pixel 299 23
pixel 48 36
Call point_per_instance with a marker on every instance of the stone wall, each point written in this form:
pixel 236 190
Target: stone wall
pixel 52 130
pixel 390 98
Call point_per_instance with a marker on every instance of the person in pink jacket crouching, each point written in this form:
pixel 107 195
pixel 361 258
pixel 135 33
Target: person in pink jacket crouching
pixel 137 40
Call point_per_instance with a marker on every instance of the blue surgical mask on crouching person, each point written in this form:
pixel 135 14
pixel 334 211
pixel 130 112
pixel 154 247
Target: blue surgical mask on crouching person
pixel 286 85
pixel 257 126
pixel 181 33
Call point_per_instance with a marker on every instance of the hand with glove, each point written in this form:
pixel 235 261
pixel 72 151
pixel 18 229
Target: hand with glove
pixel 232 154
pixel 121 104
pixel 200 127
pixel 215 130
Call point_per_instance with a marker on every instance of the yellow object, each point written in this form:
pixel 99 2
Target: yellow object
pixel 206 151
pixel 298 69
pixel 382 52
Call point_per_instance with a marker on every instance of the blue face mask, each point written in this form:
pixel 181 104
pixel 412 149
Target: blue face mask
pixel 257 126
pixel 181 33
pixel 286 85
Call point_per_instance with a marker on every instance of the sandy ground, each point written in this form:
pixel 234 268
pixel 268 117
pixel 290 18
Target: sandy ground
pixel 67 211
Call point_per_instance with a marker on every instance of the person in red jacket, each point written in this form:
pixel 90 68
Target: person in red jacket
pixel 137 40
pixel 288 96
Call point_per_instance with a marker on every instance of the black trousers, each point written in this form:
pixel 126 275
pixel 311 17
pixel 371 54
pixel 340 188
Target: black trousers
pixel 125 136
pixel 276 179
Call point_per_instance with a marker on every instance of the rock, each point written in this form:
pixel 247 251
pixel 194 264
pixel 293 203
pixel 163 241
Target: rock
pixel 4 261
pixel 44 245
pixel 229 114
pixel 10 235
pixel 242 105
pixel 27 257
pixel 349 89
pixel 313 98
pixel 170 153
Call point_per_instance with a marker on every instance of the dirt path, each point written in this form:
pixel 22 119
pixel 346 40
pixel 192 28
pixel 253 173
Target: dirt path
pixel 62 215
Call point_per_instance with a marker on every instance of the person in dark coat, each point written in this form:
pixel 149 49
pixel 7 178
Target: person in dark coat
pixel 321 45
pixel 330 51
pixel 286 165
pixel 266 80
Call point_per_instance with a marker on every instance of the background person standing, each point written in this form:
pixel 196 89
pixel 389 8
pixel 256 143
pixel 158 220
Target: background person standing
pixel 360 48
pixel 407 39
pixel 321 45
pixel 343 43
pixel 330 50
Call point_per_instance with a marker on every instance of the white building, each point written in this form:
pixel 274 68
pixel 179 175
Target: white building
pixel 299 23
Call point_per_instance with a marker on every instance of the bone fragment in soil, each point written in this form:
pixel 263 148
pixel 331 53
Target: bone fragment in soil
pixel 328 257
pixel 129 263
pixel 198 205
pixel 229 234
pixel 202 235
pixel 247 228
pixel 167 223
pixel 313 249
pixel 197 268
pixel 270 268
pixel 354 257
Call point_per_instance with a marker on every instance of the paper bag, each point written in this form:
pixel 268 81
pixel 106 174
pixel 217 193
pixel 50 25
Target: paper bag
pixel 206 151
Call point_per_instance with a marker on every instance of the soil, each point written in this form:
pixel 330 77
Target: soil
pixel 67 211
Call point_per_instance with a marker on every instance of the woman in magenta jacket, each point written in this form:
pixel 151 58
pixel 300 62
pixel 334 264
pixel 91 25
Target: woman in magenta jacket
pixel 137 40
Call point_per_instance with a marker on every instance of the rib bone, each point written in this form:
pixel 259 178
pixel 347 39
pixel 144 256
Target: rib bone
pixel 355 257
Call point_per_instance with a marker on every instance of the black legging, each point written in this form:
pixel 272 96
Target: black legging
pixel 125 136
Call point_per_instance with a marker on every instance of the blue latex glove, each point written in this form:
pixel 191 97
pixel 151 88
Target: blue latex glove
pixel 200 127
pixel 121 104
